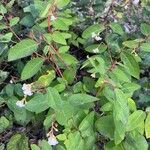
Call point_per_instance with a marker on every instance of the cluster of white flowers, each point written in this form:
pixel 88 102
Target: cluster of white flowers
pixel 11 81
pixel 93 75
pixel 52 139
pixel 27 92
pixel 96 36
pixel 27 89
pixel 20 103
pixel 127 28
pixel 53 18
pixel 96 50
pixel 87 57
pixel 136 2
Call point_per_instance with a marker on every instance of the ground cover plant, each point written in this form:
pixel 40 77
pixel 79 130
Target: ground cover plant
pixel 74 74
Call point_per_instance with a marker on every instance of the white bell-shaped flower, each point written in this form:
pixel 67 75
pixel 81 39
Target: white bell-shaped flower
pixel 53 18
pixel 27 89
pixel 98 38
pixel 93 75
pixel 20 103
pixel 87 57
pixel 127 28
pixel 52 140
pixel 11 81
pixel 136 2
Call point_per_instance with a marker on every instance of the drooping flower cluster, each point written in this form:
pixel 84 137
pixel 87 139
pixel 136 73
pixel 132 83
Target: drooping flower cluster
pixel 20 103
pixel 27 89
pixel 93 75
pixel 136 2
pixel 52 139
pixel 53 18
pixel 96 36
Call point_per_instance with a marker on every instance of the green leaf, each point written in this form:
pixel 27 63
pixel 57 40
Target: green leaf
pixel 62 137
pixel 3 48
pixel 120 115
pixel 86 126
pixel 59 24
pixel 2 146
pixel 135 141
pixel 116 27
pixel 100 82
pixel 62 3
pixel 107 107
pixel 130 88
pixel 66 35
pixel 45 12
pixel 37 104
pixel 145 47
pixel 48 120
pixel 54 99
pixel 27 21
pixel 132 105
pixel 98 64
pixel 3 75
pixel 34 147
pixel 3 10
pixel 109 93
pixel 120 74
pixel 60 147
pixel 147 126
pixel 45 80
pixel 58 38
pixel 31 68
pixel 63 49
pixel 81 99
pixel 96 28
pixel 48 38
pixel 66 74
pixel 18 142
pixel 131 64
pixel 140 128
pixel 44 145
pixel 4 124
pixel 6 38
pixel 131 43
pixel 14 21
pixel 9 88
pixel 135 119
pixel 112 146
pixel 96 48
pixel 75 141
pixel 22 49
pixel 68 59
pixel 22 116
pixel 145 29
pixel 78 87
pixel 60 87
pixel 105 126
pixel 2 100
pixel 64 112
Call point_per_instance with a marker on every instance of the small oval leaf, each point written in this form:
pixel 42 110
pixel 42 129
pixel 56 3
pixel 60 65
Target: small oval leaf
pixel 31 68
pixel 22 49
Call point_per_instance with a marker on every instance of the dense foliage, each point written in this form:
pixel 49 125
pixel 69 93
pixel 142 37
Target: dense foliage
pixel 74 75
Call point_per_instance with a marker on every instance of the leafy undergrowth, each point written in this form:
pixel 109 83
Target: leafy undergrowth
pixel 74 75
